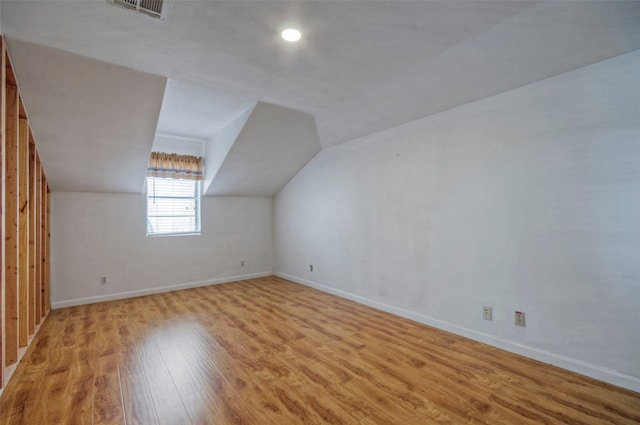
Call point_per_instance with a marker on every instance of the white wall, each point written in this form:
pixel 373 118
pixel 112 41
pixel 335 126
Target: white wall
pixel 179 145
pixel 218 146
pixel 96 234
pixel 529 200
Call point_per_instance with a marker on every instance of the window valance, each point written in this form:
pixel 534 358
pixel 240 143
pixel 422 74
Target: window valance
pixel 175 166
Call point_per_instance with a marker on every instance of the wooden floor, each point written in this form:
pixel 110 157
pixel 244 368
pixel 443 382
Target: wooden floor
pixel 268 351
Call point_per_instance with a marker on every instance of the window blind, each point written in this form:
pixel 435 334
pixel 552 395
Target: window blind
pixel 173 206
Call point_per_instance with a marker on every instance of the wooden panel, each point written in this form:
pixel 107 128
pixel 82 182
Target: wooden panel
pixel 38 226
pixel 46 205
pixel 3 97
pixel 33 297
pixel 43 239
pixel 11 227
pixel 24 275
pixel 270 352
pixel 22 113
pixel 10 78
pixel 23 232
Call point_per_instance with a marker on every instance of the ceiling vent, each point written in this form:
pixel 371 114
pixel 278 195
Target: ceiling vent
pixel 152 8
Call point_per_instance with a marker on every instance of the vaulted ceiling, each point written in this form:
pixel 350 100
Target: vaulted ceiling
pixel 93 75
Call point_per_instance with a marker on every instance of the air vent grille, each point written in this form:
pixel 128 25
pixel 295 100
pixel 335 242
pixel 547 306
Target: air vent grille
pixel 150 7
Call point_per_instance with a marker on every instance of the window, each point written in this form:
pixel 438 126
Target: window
pixel 173 206
pixel 173 194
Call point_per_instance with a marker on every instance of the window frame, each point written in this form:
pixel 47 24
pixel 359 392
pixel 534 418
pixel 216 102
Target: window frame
pixel 197 208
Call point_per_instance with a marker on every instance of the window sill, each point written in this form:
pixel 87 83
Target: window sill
pixel 162 235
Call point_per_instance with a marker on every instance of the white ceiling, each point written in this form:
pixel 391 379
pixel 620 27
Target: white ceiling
pixel 362 65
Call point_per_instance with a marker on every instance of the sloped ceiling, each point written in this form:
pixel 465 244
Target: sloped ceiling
pixel 361 66
pixel 93 122
pixel 273 138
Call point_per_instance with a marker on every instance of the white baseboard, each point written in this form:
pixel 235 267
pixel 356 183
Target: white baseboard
pixel 156 290
pixel 584 368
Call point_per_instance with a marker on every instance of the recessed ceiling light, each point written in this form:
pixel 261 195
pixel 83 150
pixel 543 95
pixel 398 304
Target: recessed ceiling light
pixel 291 34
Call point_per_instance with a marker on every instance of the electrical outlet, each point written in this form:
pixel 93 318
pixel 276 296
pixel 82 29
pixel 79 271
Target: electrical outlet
pixel 310 267
pixel 241 263
pixel 486 313
pixel 519 318
pixel 103 280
